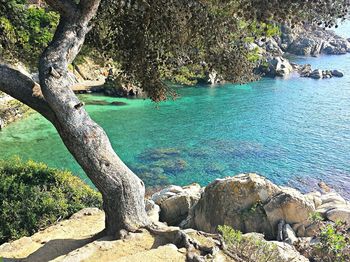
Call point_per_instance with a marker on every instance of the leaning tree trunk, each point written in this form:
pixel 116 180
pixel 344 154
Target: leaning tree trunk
pixel 122 191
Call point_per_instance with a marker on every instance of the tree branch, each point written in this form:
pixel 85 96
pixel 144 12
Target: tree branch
pixel 66 8
pixel 24 89
pixel 88 9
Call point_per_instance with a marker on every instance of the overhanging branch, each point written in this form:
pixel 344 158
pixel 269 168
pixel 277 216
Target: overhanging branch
pixel 64 7
pixel 24 89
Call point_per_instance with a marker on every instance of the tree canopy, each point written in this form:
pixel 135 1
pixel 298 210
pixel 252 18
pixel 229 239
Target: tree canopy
pixel 154 40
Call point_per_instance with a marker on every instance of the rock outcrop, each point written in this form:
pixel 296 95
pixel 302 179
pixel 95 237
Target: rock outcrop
pixel 312 40
pixel 11 110
pixel 175 202
pixel 281 67
pixel 277 66
pixel 249 203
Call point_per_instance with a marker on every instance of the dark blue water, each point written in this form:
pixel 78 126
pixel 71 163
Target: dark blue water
pixel 294 131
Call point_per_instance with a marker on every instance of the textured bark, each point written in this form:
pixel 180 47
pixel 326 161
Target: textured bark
pixel 122 191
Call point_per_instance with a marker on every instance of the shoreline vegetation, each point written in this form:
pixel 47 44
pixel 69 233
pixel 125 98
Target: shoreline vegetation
pixel 51 215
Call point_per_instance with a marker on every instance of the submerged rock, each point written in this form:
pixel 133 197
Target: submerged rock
pixel 118 103
pixel 337 73
pixel 316 74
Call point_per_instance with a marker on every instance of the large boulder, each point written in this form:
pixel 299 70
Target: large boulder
pixel 289 205
pixel 339 214
pixel 237 202
pixel 278 66
pixel 175 202
pixel 316 74
pixel 250 203
pixel 337 73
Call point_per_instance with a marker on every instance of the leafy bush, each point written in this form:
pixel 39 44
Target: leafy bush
pixel 34 196
pixel 248 248
pixel 332 242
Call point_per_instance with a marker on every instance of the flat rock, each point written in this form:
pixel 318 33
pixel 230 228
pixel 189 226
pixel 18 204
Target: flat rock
pixel 339 214
pixel 289 205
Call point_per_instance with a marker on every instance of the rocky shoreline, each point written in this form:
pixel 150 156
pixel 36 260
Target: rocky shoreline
pixel 263 211
pixel 11 110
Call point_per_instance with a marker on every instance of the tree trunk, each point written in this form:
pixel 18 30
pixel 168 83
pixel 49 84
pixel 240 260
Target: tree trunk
pixel 122 191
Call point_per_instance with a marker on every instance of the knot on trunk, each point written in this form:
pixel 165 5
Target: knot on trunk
pixel 54 73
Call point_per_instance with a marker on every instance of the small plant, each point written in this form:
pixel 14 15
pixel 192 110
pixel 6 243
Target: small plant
pixel 333 243
pixel 248 248
pixel 315 217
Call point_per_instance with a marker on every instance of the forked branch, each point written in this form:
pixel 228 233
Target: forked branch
pixel 24 89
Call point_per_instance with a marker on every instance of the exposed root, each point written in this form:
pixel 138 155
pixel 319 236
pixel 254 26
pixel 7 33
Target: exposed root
pixel 196 251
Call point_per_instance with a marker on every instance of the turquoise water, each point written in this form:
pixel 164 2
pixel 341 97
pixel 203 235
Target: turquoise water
pixel 294 131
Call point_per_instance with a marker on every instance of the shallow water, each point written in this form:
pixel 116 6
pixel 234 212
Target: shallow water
pixel 294 131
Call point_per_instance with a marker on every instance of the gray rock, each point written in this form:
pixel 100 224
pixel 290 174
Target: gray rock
pixel 337 73
pixel 237 202
pixel 315 197
pixel 152 210
pixel 280 226
pixel 175 202
pixel 312 229
pixel 339 214
pixel 288 253
pixel 289 205
pixel 305 71
pixel 312 40
pixel 316 74
pixel 333 198
pixel 279 66
pixel 289 234
pixel 213 78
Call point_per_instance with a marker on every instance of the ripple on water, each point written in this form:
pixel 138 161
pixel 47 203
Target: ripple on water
pixel 295 132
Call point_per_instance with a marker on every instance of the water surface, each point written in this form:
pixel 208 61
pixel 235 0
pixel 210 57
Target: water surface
pixel 294 131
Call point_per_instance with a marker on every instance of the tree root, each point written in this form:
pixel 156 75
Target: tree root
pixel 196 251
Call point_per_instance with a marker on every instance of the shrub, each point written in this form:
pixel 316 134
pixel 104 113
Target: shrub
pixel 34 196
pixel 332 243
pixel 248 248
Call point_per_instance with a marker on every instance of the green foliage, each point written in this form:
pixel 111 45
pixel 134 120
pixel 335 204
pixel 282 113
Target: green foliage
pixel 315 217
pixel 186 74
pixel 149 38
pixel 25 30
pixel 333 243
pixel 249 248
pixel 34 196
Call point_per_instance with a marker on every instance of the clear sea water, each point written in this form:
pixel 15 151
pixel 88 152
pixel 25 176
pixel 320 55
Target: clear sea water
pixel 294 131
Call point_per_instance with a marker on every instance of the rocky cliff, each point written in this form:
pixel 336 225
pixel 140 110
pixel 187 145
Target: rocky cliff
pixel 185 225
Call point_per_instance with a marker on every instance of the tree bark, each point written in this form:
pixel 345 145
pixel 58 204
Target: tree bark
pixel 122 191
